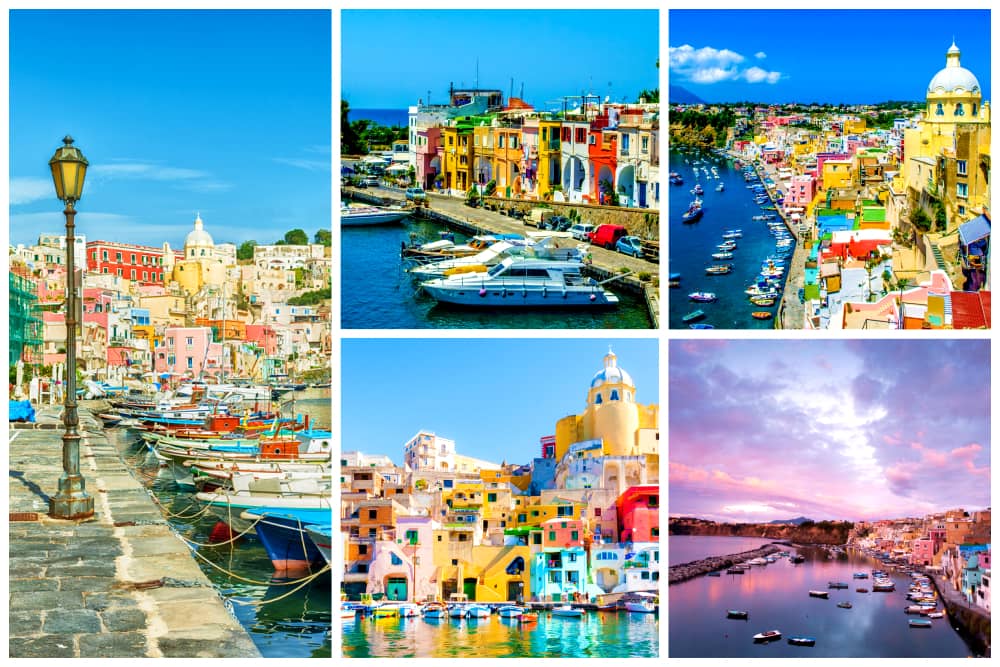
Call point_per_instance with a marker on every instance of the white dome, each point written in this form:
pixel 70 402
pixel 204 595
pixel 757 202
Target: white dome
pixel 954 77
pixel 611 373
pixel 198 237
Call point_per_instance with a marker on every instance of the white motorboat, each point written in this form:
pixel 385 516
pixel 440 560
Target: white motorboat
pixel 510 611
pixel 520 282
pixel 360 216
pixel 481 261
pixel 567 611
pixel 641 603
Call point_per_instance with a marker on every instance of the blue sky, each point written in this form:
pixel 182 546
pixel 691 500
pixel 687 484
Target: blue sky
pixel 226 113
pixel 494 397
pixel 553 53
pixel 850 56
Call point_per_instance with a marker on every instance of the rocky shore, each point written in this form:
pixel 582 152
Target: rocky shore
pixel 679 573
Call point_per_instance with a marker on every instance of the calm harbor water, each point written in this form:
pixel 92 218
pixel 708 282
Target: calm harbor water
pixel 692 245
pixel 298 626
pixel 777 598
pixel 376 292
pixel 595 635
pixel 687 548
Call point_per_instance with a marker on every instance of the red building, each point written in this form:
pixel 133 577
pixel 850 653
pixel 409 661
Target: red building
pixel 143 264
pixel 639 514
pixel 603 154
pixel 264 336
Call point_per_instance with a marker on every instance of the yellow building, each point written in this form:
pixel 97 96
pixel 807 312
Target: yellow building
pixel 837 174
pixel 201 265
pixel 855 125
pixel 456 167
pixel 626 427
pixel 947 156
pixel 549 157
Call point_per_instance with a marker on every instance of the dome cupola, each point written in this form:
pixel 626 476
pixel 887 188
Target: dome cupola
pixel 953 78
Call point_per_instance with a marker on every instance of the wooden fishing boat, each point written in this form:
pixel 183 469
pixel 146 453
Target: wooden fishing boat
pixel 762 314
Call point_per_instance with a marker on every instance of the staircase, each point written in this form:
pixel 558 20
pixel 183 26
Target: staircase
pixel 938 257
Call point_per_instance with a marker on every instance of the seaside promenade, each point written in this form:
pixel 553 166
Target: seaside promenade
pixel 791 312
pixel 118 585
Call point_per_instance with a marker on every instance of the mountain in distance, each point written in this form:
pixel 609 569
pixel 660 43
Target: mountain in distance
pixel 679 95
pixel 798 521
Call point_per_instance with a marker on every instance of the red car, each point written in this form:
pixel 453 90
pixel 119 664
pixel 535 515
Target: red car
pixel 607 236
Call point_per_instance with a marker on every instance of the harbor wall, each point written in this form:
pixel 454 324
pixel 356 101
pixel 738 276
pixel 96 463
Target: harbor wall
pixel 641 222
pixel 679 573
pixel 971 622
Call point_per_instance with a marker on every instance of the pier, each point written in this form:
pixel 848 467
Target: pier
pixel 685 571
pixel 453 213
pixel 121 584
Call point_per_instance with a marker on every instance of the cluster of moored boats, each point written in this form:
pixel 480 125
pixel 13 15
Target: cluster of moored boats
pixel 544 270
pixel 256 471
pixel 922 597
pixel 638 603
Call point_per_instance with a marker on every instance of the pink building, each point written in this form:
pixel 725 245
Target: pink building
pixel 185 350
pixel 264 336
pixel 923 552
pixel 428 140
pixel 801 190
pixel 639 514
pixel 562 534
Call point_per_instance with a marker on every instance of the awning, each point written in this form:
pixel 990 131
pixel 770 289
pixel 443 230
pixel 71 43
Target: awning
pixel 974 230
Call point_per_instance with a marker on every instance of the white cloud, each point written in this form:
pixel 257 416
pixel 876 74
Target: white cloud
pixel 708 65
pixel 27 190
pixel 189 179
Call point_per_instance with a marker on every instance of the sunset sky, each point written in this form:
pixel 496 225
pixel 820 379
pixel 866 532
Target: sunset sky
pixel 763 430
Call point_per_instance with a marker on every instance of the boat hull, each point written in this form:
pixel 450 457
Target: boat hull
pixel 492 297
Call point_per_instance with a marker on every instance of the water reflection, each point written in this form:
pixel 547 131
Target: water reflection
pixel 594 635
pixel 777 598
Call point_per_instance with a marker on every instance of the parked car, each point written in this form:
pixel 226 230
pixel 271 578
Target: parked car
pixel 371 181
pixel 607 236
pixel 564 225
pixel 630 245
pixel 581 231
pixel 416 194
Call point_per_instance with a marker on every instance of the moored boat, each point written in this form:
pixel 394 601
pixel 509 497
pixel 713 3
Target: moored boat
pixel 738 614
pixel 703 297
pixel 567 611
pixel 762 314
pixel 819 594
pixel 361 216
pixel 802 641
pixel 510 611
pixel 920 623
pixel 693 316
pixel 767 636
pixel 719 269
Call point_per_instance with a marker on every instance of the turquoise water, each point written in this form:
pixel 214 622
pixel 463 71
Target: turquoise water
pixel 595 635
pixel 376 293
pixel 298 626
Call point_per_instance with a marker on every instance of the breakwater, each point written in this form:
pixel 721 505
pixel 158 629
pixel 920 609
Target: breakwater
pixel 685 571
pixel 972 622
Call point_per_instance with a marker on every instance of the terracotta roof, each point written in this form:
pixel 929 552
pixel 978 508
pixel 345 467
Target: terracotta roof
pixel 970 310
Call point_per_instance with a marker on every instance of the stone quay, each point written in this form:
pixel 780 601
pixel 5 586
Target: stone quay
pixel 697 568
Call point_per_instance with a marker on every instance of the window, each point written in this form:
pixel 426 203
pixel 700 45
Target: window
pixel 119 273
pixel 372 514
pixel 654 501
pixel 564 510
pixel 190 362
pixel 939 110
pixel 439 538
pixel 144 275
pixel 962 167
pixel 974 109
pixel 133 259
pixel 961 210
pixel 521 518
pixel 491 497
pixel 500 141
pixel 593 140
pixel 93 256
pixel 573 577
pixel 645 574
pixel 598 399
pixel 656 576
pixel 614 395
pixel 959 110
pixel 534 512
pixel 362 549
pixel 575 535
pixel 645 144
pixel 462 537
pixel 962 189
pixel 105 255
pixel 513 141
pixel 552 536
pixel 581 135
pixel 654 531
pixel 118 256
pixel 555 577
pixel 133 274
pixel 395 560
pixel 597 511
pixel 190 340
pixel 536 538
pixel 362 568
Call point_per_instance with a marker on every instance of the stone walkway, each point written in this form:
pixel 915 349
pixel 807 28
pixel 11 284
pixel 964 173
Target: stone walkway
pixel 118 585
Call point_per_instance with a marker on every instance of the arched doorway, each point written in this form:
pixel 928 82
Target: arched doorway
pixel 626 185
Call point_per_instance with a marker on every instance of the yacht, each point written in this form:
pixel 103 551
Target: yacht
pixel 522 282
pixel 361 216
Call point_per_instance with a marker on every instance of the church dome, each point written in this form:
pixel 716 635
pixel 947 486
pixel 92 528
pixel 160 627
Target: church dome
pixel 611 373
pixel 198 237
pixel 953 78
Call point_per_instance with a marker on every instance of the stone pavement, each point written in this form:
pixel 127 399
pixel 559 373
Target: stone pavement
pixel 118 585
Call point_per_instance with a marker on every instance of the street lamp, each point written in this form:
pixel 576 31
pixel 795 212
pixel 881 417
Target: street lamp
pixel 71 501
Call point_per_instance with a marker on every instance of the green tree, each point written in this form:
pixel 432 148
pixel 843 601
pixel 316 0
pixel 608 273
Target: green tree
pixel 296 237
pixel 323 237
pixel 350 133
pixel 245 250
pixel 920 220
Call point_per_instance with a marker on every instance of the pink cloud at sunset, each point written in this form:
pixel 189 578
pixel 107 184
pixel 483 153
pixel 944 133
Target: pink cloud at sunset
pixel 761 430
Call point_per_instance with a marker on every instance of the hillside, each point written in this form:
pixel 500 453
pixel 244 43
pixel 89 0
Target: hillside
pixel 808 532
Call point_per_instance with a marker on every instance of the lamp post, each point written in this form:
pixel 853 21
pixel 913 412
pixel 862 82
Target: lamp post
pixel 71 501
